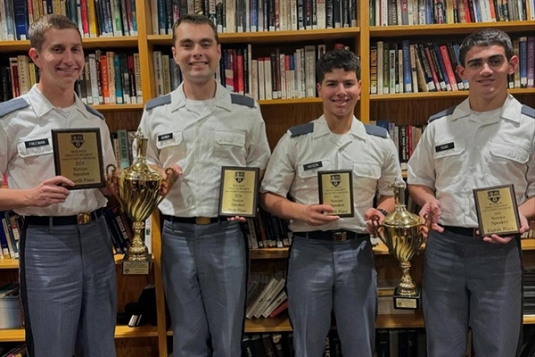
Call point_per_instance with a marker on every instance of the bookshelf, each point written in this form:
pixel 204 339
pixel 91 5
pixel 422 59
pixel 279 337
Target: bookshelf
pixel 279 115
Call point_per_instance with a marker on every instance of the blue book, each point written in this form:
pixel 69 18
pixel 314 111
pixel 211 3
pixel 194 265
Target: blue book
pixel 407 73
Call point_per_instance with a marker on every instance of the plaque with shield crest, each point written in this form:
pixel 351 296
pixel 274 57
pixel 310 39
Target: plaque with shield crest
pixel 497 211
pixel 78 157
pixel 238 195
pixel 336 189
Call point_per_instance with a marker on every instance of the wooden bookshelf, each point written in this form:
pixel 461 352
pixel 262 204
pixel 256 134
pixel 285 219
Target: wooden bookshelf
pixel 439 95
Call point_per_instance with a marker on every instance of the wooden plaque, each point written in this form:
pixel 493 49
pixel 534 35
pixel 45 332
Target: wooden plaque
pixel 336 189
pixel 497 211
pixel 238 195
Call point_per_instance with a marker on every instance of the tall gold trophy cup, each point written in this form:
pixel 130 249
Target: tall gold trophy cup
pixel 402 234
pixel 139 195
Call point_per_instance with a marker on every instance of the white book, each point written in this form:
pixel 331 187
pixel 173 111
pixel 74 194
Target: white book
pixel 261 81
pixel 230 6
pixel 271 295
pixel 249 313
pixel 166 71
pixel 254 79
pixel 321 14
pixel 310 73
pixel 3 22
pixel 298 73
pixel 158 75
pixel 94 81
pixel 380 66
pixel 137 76
pixel 154 17
pixel 275 303
pixel 24 77
pixel 110 61
pixel 268 78
pixel 282 66
pixel 250 69
pixel 293 14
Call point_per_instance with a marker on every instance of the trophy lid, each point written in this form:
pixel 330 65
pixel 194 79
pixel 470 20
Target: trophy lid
pixel 140 170
pixel 401 217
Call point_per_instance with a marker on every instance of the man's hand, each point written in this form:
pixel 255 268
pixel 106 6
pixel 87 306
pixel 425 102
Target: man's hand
pixel 431 211
pixel 165 186
pixel 49 192
pixel 318 215
pixel 370 225
pixel 237 218
pixel 494 238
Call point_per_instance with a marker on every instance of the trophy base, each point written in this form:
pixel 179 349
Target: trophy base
pixel 405 302
pixel 136 267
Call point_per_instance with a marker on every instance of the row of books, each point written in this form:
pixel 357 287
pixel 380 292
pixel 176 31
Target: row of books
pixel 10 307
pixel 424 12
pixel 10 349
pixel 107 78
pixel 266 295
pixel 93 17
pixel 529 291
pixel 400 343
pixel 257 15
pixel 268 345
pixel 10 228
pixel 410 67
pixel 267 231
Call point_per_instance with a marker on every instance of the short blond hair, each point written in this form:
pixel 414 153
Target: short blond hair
pixel 40 27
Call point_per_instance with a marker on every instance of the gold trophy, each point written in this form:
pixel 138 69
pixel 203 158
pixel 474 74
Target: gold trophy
pixel 139 194
pixel 402 234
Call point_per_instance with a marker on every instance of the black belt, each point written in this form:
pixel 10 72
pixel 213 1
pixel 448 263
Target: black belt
pixel 334 236
pixel 77 219
pixel 193 220
pixel 463 231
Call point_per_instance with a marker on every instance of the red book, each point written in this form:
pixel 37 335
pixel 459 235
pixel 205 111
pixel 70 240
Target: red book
pixel 279 309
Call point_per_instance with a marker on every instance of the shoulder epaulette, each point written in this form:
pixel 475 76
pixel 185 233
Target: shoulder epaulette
pixel 302 129
pixel 376 130
pixel 12 105
pixel 94 111
pixel 528 111
pixel 242 100
pixel 443 113
pixel 156 102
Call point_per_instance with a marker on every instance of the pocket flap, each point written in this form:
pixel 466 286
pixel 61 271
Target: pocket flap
pixel 230 138
pixel 510 152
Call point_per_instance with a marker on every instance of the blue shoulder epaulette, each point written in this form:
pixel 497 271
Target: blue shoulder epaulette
pixel 94 111
pixel 12 105
pixel 302 129
pixel 528 111
pixel 376 130
pixel 443 113
pixel 242 100
pixel 156 102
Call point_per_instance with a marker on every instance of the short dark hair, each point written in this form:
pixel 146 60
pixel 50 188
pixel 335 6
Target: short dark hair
pixel 40 27
pixel 195 19
pixel 337 59
pixel 486 38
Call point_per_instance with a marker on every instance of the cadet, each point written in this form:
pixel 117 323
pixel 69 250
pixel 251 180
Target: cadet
pixel 331 264
pixel 198 128
pixel 67 271
pixel 487 140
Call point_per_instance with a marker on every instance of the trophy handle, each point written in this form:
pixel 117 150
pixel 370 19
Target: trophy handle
pixel 378 229
pixel 428 223
pixel 170 178
pixel 110 175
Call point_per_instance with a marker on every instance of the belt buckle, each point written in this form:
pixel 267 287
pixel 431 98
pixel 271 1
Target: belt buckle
pixel 339 236
pixel 83 218
pixel 202 220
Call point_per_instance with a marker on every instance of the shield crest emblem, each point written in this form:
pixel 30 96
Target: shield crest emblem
pixel 77 140
pixel 239 176
pixel 494 196
pixel 335 180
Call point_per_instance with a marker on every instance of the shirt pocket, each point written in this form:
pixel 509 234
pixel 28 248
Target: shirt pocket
pixel 507 162
pixel 230 147
pixel 307 179
pixel 30 149
pixel 449 163
pixel 173 148
pixel 509 152
pixel 365 176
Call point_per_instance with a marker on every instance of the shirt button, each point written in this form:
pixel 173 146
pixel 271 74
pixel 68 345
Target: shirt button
pixel 477 147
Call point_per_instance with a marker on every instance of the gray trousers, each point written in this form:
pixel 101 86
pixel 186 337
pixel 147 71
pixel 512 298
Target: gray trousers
pixel 468 282
pixel 323 276
pixel 68 290
pixel 204 270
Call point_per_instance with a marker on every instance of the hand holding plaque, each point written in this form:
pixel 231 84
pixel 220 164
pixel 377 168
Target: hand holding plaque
pixel 497 211
pixel 238 195
pixel 336 189
pixel 78 157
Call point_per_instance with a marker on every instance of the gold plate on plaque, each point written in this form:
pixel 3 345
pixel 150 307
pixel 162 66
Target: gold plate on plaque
pixel 497 211
pixel 336 189
pixel 78 156
pixel 238 195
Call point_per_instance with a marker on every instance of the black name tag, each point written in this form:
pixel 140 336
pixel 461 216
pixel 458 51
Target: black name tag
pixel 444 147
pixel 36 143
pixel 165 137
pixel 312 165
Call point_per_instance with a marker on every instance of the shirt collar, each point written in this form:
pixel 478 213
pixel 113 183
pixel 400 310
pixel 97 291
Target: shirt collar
pixel 41 105
pixel 511 109
pixel 357 128
pixel 222 98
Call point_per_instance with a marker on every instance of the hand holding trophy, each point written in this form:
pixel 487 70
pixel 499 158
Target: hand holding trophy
pixel 139 193
pixel 402 234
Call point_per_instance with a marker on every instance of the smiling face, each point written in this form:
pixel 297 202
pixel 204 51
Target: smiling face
pixel 196 52
pixel 339 92
pixel 486 69
pixel 60 59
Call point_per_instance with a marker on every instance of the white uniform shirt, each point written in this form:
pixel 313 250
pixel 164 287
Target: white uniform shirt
pixel 26 151
pixel 295 163
pixel 202 139
pixel 459 152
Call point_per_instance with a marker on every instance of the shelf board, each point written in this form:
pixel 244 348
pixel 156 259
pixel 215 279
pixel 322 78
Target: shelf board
pixel 449 29
pixel 122 331
pixel 289 101
pixel 415 320
pixel 88 43
pixel 279 323
pixel 268 253
pixel 438 95
pixel 114 107
pixel 271 36
pixel 528 244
